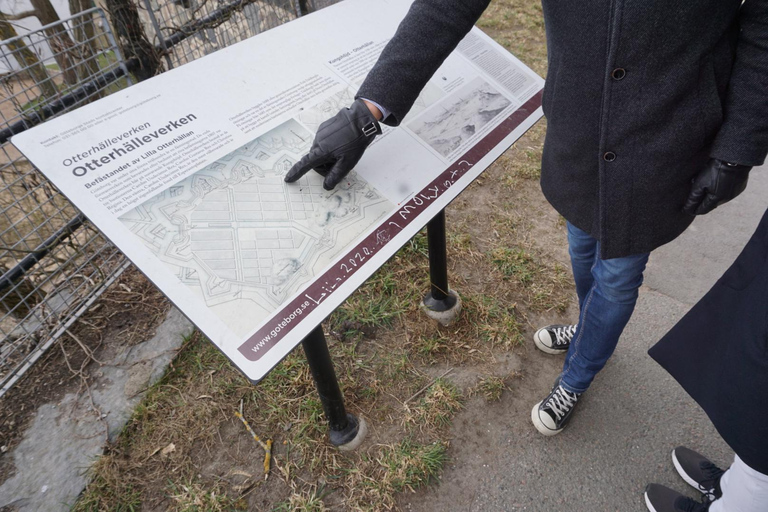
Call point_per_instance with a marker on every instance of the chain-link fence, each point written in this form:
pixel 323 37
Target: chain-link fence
pixel 54 263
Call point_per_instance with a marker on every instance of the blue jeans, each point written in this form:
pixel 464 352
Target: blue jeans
pixel 607 291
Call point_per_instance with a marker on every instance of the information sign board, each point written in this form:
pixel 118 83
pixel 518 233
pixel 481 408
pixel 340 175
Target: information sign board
pixel 184 172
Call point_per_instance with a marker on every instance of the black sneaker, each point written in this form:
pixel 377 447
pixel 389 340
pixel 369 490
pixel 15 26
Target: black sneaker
pixel 551 415
pixel 663 499
pixel 554 339
pixel 698 471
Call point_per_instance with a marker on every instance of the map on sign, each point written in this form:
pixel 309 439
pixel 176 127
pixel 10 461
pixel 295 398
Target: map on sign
pixel 185 172
pixel 241 240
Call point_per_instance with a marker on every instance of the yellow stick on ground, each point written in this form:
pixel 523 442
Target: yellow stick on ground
pixel 267 446
pixel 267 458
pixel 250 430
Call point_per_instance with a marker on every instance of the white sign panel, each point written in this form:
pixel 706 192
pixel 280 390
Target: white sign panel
pixel 184 172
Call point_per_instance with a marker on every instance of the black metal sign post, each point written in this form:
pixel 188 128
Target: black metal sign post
pixel 346 430
pixel 441 303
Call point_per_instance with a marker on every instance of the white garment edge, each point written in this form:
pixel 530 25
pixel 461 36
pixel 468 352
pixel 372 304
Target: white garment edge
pixel 744 490
pixel 384 112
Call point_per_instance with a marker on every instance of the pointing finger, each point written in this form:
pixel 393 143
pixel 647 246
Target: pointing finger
pixel 340 169
pixel 303 166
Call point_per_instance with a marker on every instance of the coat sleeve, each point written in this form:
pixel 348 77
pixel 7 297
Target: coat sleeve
pixel 743 136
pixel 428 34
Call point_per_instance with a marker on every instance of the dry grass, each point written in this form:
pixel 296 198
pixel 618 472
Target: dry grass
pixel 435 410
pixel 386 354
pixel 380 344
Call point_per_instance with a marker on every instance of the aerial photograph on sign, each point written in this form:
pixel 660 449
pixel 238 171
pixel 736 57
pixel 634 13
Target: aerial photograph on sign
pixel 450 124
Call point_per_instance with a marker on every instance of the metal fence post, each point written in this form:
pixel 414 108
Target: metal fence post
pixel 158 32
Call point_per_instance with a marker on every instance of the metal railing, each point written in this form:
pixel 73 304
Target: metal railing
pixel 53 262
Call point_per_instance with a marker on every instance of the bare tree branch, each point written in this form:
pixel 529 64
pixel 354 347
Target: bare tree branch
pixel 20 16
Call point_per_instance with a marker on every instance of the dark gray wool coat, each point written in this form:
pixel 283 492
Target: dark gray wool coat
pixel 639 95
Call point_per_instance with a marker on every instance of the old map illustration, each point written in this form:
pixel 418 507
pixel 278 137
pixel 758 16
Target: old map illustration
pixel 244 240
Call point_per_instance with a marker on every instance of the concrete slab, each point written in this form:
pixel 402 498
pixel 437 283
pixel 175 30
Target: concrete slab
pixel 65 438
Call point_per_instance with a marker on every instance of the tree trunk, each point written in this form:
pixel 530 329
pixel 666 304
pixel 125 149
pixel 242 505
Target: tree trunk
pixel 27 60
pixel 133 40
pixel 58 39
pixel 84 35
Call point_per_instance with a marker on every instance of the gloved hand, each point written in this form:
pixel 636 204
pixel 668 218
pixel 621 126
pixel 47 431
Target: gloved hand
pixel 716 184
pixel 339 144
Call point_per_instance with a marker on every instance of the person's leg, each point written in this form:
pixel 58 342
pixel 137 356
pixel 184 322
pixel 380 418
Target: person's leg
pixel 582 248
pixel 744 490
pixel 606 309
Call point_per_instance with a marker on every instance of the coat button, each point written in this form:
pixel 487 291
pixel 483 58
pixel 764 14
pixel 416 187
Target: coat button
pixel 610 156
pixel 618 74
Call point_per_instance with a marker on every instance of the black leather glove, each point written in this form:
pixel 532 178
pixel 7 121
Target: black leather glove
pixel 339 144
pixel 716 184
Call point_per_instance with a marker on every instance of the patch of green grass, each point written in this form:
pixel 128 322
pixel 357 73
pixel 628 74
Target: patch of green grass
pixel 459 241
pixel 106 492
pixel 431 345
pixel 516 264
pixel 417 246
pixel 411 465
pixel 305 500
pixel 502 325
pixel 393 366
pixel 366 310
pixel 491 387
pixel 436 409
pixel 543 284
pixel 194 497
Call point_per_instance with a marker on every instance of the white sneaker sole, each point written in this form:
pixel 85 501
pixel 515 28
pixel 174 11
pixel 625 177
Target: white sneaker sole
pixel 690 481
pixel 648 503
pixel 540 426
pixel 545 348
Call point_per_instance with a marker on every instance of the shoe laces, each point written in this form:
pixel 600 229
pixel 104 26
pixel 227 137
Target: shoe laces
pixel 685 504
pixel 561 401
pixel 563 335
pixel 713 474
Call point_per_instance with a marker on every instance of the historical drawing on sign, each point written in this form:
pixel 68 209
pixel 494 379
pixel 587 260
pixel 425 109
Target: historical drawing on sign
pixel 448 125
pixel 241 238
